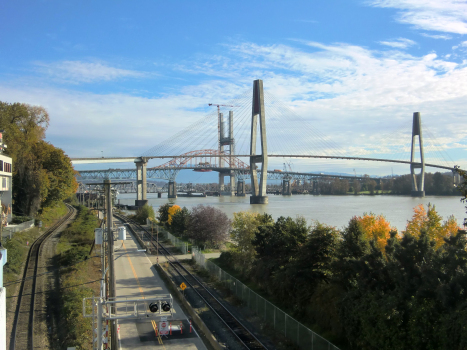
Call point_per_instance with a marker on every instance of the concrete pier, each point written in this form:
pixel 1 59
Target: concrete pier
pixel 172 190
pixel 141 184
pixel 286 191
pixel 240 188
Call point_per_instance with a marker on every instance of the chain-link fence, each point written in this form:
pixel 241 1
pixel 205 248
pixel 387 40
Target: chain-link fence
pixel 304 337
pixel 177 242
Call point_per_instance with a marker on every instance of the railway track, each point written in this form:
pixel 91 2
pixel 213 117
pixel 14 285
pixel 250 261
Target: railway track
pixel 240 331
pixel 22 334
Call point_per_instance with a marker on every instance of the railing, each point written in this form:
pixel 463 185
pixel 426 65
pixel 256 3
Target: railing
pixel 9 230
pixel 302 336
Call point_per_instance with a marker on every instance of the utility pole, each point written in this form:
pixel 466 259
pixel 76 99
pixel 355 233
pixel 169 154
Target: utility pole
pixel 112 284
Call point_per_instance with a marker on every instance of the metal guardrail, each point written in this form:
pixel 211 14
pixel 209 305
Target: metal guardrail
pixel 302 336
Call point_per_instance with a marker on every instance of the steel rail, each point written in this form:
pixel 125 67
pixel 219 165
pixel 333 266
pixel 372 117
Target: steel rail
pixel 27 293
pixel 237 328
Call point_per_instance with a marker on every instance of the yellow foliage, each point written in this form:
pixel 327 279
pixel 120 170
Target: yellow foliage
pixel 172 211
pixel 376 227
pixel 430 221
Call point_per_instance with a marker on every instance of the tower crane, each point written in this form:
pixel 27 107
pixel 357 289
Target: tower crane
pixel 219 125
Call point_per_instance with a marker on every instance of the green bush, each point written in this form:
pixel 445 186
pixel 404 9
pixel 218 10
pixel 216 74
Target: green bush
pixel 75 255
pixel 143 213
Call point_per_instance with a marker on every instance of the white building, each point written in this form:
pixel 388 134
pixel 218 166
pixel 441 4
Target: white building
pixel 6 169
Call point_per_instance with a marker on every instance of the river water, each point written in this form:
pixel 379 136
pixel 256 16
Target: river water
pixel 331 210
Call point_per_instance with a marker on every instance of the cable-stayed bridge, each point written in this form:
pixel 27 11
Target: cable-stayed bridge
pixel 215 144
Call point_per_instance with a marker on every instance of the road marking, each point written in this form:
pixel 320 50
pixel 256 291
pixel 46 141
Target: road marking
pixel 134 272
pixel 154 324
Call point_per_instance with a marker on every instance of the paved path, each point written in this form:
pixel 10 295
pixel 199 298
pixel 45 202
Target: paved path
pixel 137 279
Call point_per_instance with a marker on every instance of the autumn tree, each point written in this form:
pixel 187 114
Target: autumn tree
pixel 208 226
pixel 375 227
pixel 431 223
pixel 42 173
pixel 172 211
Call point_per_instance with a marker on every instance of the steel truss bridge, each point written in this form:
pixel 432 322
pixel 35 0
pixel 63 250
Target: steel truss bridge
pixel 211 160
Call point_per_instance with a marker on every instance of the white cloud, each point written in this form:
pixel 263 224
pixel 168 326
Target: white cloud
pixel 400 43
pixel 84 72
pixel 355 96
pixel 437 36
pixel 449 16
pixel 461 45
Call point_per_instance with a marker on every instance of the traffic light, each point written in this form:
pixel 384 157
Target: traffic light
pixel 154 307
pixel 165 306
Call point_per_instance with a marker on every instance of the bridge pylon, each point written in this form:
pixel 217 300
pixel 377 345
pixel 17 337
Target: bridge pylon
pixel 258 191
pixel 226 141
pixel 418 181
pixel 141 184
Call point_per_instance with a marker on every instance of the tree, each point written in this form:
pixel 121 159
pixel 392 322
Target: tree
pixel 244 228
pixel 179 223
pixel 208 226
pixel 60 179
pixel 313 265
pixel 163 211
pixel 42 173
pixel 371 186
pixel 402 185
pixel 277 245
pixel 143 213
pixel 375 227
pixel 172 211
pixel 356 186
pixel 431 223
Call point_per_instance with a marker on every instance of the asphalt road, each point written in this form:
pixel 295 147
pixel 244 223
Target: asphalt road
pixel 138 279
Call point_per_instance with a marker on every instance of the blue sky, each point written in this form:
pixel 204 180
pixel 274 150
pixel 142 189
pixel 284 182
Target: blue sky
pixel 119 77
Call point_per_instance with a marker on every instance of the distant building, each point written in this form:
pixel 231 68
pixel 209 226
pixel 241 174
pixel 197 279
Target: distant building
pixel 6 168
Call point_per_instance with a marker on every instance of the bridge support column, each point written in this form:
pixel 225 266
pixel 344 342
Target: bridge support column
pixel 240 188
pixel 141 184
pixel 221 183
pixel 456 178
pixel 418 181
pixel 258 191
pixel 232 183
pixel 286 187
pixel 172 189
